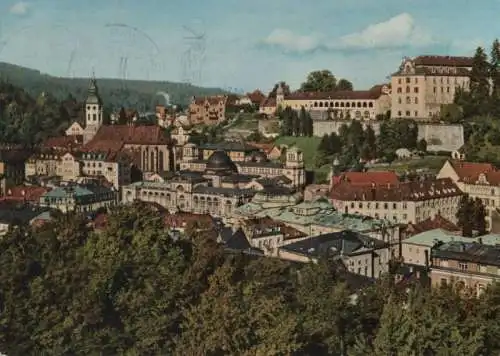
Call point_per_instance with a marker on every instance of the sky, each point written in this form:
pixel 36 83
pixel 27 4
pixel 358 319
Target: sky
pixel 239 44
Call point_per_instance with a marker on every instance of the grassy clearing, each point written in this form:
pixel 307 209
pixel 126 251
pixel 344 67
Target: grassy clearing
pixel 308 145
pixel 433 163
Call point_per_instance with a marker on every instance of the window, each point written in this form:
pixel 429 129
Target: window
pixel 405 216
pixel 408 100
pixel 408 79
pixel 463 266
pixel 399 80
pixel 394 205
pixel 416 80
pixel 399 113
pixel 447 89
pixel 400 101
pixel 376 205
pixel 366 270
pixel 408 89
pixel 416 113
pixel 386 206
pixel 400 90
pixel 408 113
pixel 415 90
pixel 435 90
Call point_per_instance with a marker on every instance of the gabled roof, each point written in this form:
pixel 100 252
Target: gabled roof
pixel 25 193
pixel 438 222
pixel 373 93
pixel 406 191
pixel 132 134
pixel 366 178
pixel 449 61
pixel 470 170
pixel 338 243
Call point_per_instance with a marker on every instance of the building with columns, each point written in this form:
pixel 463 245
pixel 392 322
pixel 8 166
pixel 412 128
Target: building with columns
pixel 217 189
pixel 252 162
pixel 349 104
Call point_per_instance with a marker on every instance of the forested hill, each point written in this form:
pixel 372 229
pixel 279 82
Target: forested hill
pixel 27 119
pixel 116 93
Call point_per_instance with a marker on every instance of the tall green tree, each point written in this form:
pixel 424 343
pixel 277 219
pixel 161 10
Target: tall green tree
pixel 319 81
pixel 479 216
pixel 344 85
pixel 465 215
pixel 495 69
pixel 479 80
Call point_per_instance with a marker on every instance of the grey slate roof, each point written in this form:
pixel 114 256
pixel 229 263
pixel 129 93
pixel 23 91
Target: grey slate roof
pixel 346 242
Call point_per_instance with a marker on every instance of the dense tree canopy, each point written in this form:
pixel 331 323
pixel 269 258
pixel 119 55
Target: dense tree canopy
pixel 131 290
pixel 324 80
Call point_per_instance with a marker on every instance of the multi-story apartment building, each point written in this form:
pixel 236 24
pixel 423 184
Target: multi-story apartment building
pixel 423 84
pixel 407 202
pixel 468 266
pixel 479 180
pixel 208 110
pixel 354 104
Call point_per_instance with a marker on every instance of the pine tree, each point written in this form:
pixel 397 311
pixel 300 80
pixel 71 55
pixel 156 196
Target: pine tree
pixel 479 80
pixel 303 124
pixel 465 215
pixel 495 68
pixel 309 125
pixel 479 216
pixel 324 145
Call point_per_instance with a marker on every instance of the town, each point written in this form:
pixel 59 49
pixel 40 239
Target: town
pixel 394 182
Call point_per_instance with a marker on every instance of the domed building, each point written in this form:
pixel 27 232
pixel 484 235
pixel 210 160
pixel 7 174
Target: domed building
pixel 252 163
pixel 220 164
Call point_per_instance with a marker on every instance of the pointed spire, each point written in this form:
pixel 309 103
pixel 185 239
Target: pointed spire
pixel 93 92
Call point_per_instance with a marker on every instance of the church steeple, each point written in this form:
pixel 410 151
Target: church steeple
pixel 93 92
pixel 93 111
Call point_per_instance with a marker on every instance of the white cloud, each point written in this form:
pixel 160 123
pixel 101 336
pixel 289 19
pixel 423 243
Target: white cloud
pixel 20 8
pixel 289 41
pixel 398 31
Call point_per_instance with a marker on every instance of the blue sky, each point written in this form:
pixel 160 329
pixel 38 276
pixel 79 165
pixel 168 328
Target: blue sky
pixel 248 44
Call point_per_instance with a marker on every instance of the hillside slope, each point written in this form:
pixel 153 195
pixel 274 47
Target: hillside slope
pixel 116 93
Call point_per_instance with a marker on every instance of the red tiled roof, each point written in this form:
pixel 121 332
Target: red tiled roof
pixel 407 191
pixel 63 142
pixel 265 147
pixel 101 221
pixel 182 219
pixel 261 227
pixel 268 103
pixel 366 178
pixel 131 134
pixel 374 93
pixel 469 170
pixel 211 100
pixel 449 61
pixel 25 193
pixel 256 96
pixel 438 222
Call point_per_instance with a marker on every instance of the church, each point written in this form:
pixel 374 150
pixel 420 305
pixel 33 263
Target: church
pixel 99 150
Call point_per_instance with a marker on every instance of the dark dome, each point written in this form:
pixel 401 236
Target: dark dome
pixel 219 161
pixel 259 156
